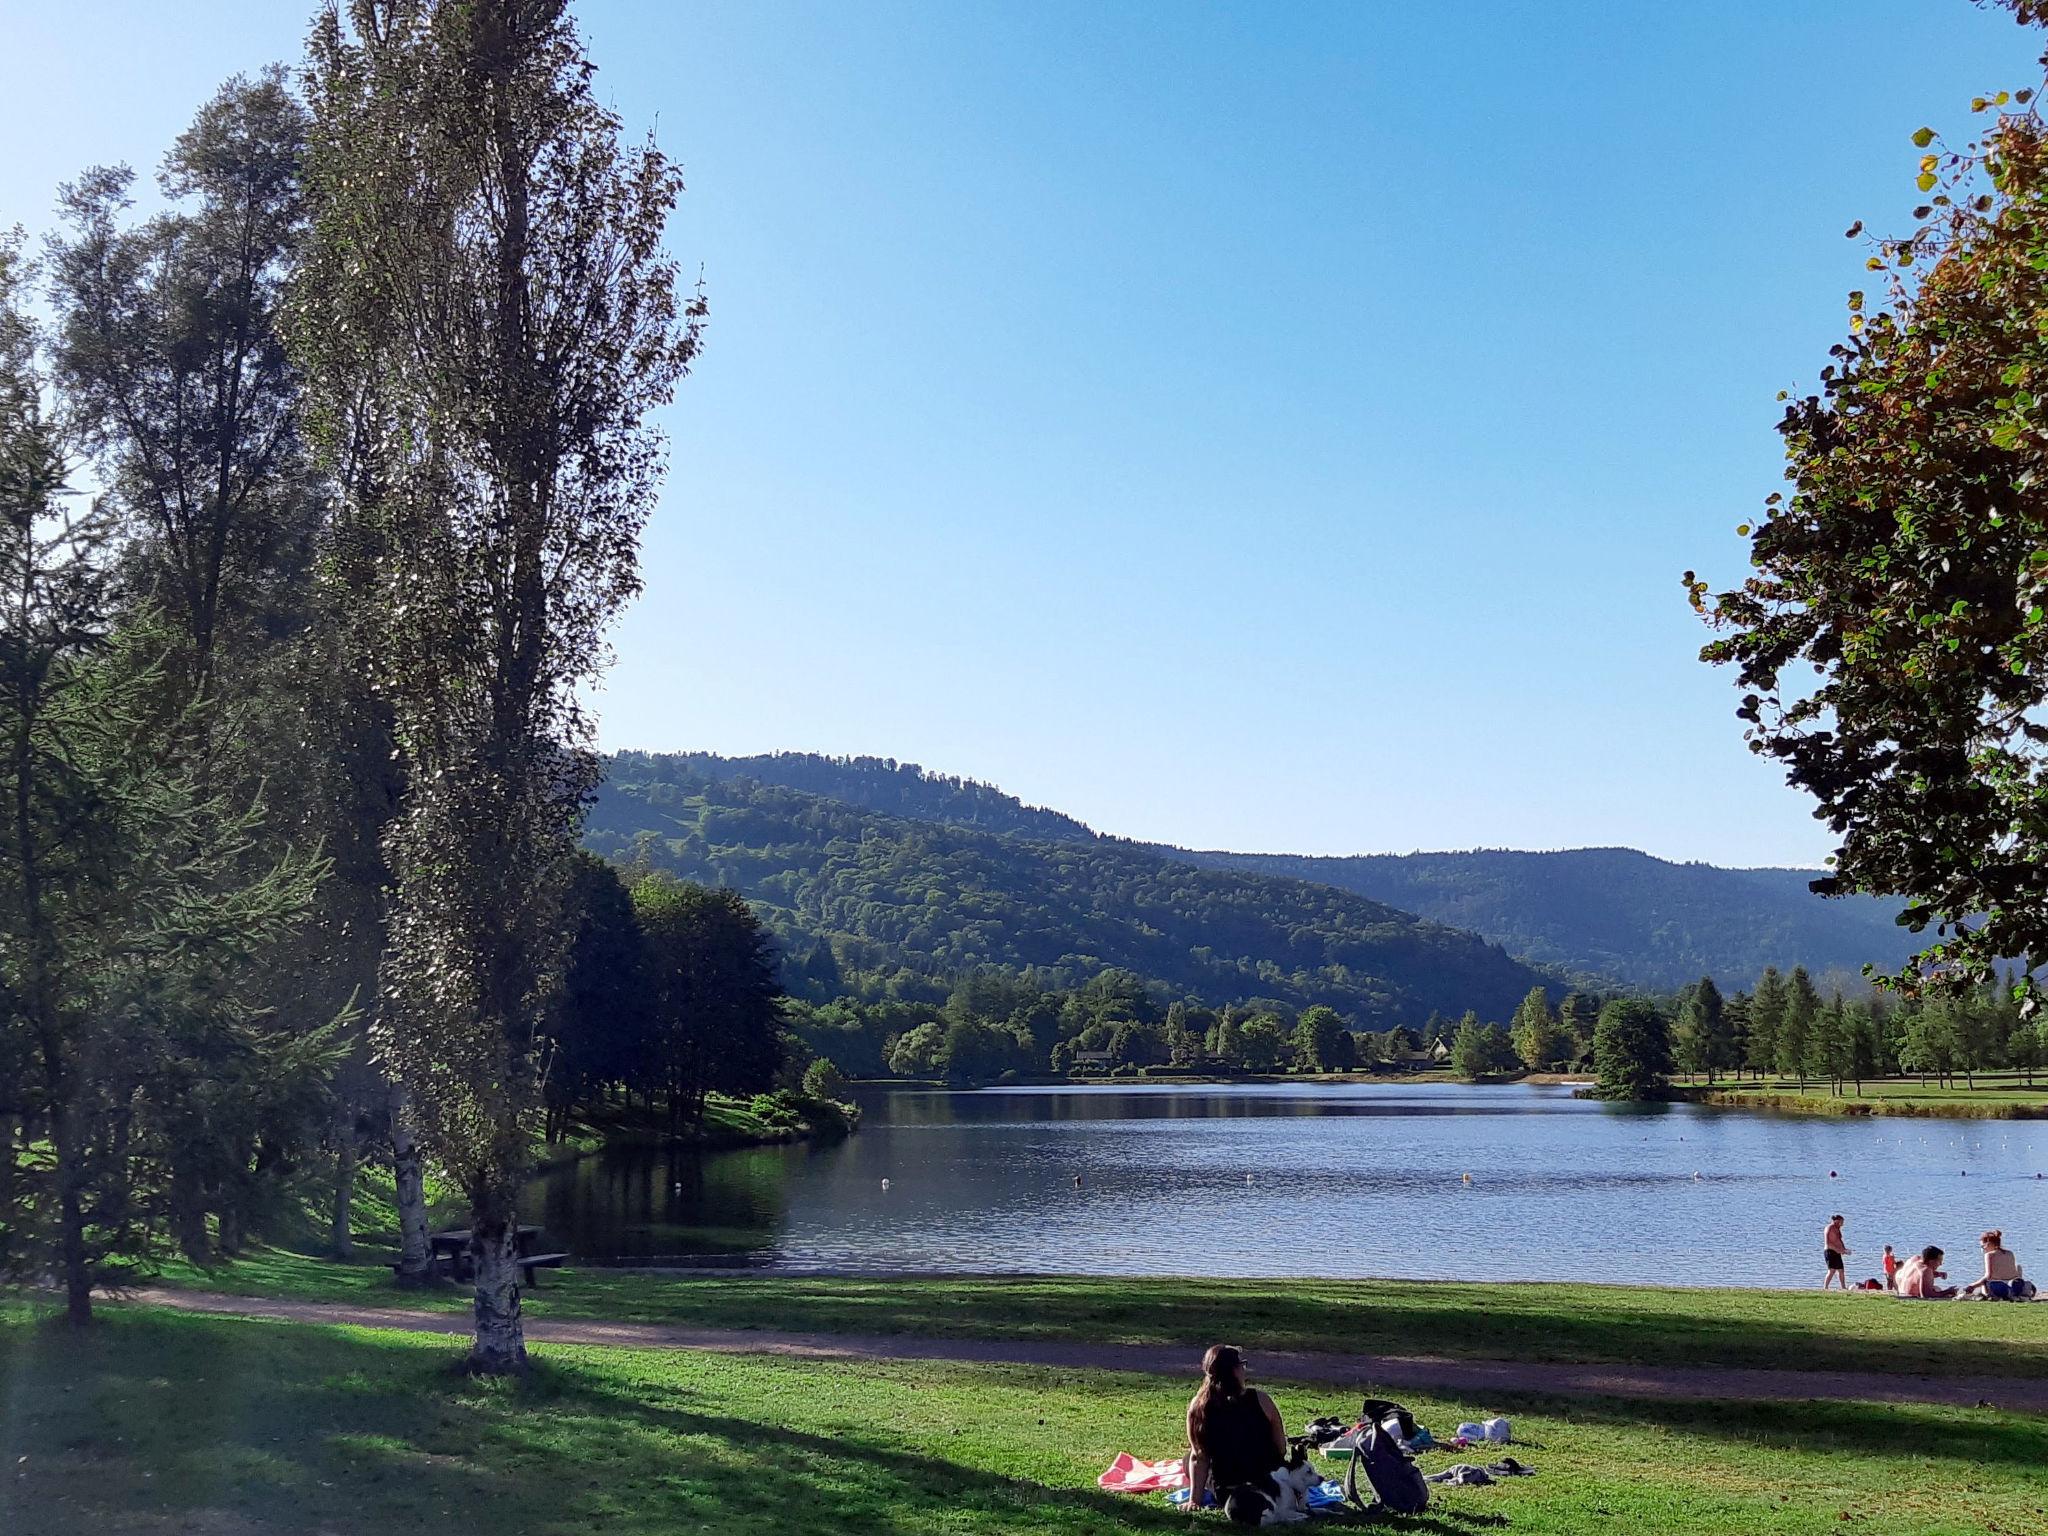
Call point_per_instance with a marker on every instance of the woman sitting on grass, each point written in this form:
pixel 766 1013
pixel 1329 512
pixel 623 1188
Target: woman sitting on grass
pixel 1917 1277
pixel 1236 1440
pixel 2001 1281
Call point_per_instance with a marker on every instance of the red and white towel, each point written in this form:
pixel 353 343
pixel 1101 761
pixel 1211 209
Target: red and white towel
pixel 1127 1474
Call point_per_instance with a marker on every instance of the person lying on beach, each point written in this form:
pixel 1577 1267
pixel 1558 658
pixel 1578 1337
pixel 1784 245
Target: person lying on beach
pixel 1236 1439
pixel 1918 1274
pixel 2001 1277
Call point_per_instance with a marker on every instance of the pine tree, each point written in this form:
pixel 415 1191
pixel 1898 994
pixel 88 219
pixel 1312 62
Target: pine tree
pixel 1830 1044
pixel 127 893
pixel 1579 1013
pixel 1802 1008
pixel 1766 1022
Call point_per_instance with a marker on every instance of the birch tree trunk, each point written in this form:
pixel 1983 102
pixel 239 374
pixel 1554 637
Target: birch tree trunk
pixel 499 1345
pixel 415 1258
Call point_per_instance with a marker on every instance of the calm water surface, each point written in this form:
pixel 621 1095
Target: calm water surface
pixel 1319 1179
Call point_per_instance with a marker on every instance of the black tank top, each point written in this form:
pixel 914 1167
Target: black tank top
pixel 1239 1440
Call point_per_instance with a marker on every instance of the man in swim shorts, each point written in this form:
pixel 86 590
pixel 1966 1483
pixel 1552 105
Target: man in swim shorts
pixel 1834 1248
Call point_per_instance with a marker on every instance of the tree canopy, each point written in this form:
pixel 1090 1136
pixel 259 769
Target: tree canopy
pixel 1892 641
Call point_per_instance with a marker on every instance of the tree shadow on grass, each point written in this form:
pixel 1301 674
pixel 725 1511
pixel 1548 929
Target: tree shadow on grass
pixel 1491 1322
pixel 154 1423
pixel 1909 1431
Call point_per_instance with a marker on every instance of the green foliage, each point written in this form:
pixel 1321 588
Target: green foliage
pixel 1262 1043
pixel 1321 1042
pixel 908 906
pixel 1541 1042
pixel 1482 1050
pixel 1632 1050
pixel 918 1052
pixel 484 296
pixel 1606 915
pixel 715 1004
pixel 134 901
pixel 1891 637
pixel 823 1080
pixel 1703 1038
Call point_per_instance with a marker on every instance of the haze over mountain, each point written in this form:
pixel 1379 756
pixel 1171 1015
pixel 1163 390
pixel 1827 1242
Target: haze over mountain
pixel 904 904
pixel 1589 912
pixel 1616 911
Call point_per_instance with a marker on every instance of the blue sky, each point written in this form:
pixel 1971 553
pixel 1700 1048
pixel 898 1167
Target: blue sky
pixel 1263 425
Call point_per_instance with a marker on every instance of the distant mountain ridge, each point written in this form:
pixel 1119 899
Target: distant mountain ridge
pixel 904 905
pixel 1589 912
pixel 1616 911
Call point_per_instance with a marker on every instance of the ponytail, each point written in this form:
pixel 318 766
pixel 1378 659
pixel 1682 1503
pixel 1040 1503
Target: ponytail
pixel 1222 1380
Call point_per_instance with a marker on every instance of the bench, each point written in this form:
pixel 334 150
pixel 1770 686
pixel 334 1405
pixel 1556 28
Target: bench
pixel 528 1265
pixel 533 1262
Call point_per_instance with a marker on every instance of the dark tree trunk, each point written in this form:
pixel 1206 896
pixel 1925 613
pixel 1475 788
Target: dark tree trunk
pixel 76 1262
pixel 188 1216
pixel 232 1223
pixel 10 1183
pixel 340 1236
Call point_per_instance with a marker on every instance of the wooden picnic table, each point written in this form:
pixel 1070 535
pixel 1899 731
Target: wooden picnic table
pixel 452 1248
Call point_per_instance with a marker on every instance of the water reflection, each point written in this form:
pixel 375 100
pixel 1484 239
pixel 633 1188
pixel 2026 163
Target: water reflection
pixel 1316 1179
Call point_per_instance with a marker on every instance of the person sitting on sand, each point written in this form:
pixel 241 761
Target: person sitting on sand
pixel 1918 1274
pixel 1236 1440
pixel 1834 1248
pixel 2001 1269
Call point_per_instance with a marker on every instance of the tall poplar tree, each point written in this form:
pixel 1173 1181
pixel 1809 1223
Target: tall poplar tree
pixel 487 249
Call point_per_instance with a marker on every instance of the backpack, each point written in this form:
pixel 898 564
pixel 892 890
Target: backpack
pixel 1389 1472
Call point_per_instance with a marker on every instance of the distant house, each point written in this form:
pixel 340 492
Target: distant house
pixel 1422 1059
pixel 1094 1058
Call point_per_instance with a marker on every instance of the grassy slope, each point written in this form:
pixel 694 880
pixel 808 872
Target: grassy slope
pixel 1771 1329
pixel 1997 1096
pixel 160 1424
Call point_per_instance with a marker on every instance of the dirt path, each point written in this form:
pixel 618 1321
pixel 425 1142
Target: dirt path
pixel 1418 1372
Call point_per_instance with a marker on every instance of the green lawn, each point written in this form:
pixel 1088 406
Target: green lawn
pixel 160 1423
pixel 1771 1329
pixel 1998 1095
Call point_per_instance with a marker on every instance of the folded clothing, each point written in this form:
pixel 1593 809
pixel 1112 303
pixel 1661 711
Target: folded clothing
pixel 1461 1475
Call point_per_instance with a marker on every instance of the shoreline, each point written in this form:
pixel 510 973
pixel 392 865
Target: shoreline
pixel 1848 1107
pixel 1933 1104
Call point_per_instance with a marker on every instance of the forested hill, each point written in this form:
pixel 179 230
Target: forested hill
pixel 907 904
pixel 1610 912
pixel 1614 911
pixel 874 783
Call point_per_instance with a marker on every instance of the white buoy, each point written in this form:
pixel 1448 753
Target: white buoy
pixel 1247 1178
pixel 885 1183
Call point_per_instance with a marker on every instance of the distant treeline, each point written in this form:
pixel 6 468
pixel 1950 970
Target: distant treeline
pixel 896 908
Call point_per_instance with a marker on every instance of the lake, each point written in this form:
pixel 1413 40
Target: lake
pixel 1317 1179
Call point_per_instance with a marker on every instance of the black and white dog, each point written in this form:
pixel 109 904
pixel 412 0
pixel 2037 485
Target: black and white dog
pixel 1285 1498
